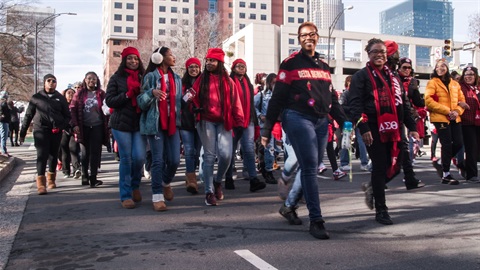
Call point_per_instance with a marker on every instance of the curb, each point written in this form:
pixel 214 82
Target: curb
pixel 6 167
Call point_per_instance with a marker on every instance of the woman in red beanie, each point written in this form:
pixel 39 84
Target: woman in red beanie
pixel 245 134
pixel 190 139
pixel 122 91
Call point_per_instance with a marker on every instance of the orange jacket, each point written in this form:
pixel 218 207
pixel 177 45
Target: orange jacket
pixel 440 101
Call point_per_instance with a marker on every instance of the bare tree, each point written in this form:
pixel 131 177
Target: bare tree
pixel 474 27
pixel 209 32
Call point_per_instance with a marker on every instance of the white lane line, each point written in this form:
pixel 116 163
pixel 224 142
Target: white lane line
pixel 254 259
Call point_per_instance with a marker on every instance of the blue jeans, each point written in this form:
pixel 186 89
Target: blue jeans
pixel 269 155
pixel 295 193
pixel 247 144
pixel 345 158
pixel 131 147
pixel 165 158
pixel 4 136
pixel 191 147
pixel 216 141
pixel 309 136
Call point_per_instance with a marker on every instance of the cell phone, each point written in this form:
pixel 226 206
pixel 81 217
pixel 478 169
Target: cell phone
pixel 189 94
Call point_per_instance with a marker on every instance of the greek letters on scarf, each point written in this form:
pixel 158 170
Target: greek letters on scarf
pixel 167 111
pixel 133 87
pixel 385 99
pixel 244 98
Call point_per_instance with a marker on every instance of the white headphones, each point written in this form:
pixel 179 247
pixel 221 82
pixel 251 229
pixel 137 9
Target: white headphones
pixel 157 57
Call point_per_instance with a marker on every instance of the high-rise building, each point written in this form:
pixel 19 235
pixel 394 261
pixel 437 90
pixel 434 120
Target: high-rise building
pixel 324 12
pixel 20 20
pixel 419 18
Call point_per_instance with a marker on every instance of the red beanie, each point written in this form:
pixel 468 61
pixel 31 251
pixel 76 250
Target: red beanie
pixel 216 53
pixel 192 60
pixel 392 47
pixel 238 61
pixel 130 50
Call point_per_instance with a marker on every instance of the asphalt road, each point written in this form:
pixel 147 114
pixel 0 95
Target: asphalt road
pixel 76 227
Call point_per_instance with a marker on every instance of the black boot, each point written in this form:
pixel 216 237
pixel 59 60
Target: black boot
pixel 256 184
pixel 229 183
pixel 94 182
pixel 269 179
pixel 317 229
pixel 382 215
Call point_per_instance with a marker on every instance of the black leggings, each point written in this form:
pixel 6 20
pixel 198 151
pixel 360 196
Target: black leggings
pixel 47 144
pixel 91 149
pixel 14 126
pixel 450 136
pixel 70 150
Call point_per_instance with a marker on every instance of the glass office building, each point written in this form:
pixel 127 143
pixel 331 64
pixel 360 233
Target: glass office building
pixel 419 18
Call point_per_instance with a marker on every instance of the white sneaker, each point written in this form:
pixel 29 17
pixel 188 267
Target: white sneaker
pixel 338 174
pixel 364 167
pixel 147 175
pixel 322 168
pixel 345 168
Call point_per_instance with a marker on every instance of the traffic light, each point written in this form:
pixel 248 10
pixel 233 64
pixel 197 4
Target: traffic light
pixel 447 49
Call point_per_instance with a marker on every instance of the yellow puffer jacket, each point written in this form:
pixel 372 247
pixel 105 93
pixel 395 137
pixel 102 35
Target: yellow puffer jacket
pixel 440 101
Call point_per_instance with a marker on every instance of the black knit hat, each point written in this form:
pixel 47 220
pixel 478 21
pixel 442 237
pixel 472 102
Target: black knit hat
pixel 48 76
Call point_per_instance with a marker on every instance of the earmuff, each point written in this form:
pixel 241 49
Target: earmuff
pixel 157 57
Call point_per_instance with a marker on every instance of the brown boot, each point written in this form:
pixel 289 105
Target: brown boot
pixel 191 183
pixel 41 182
pixel 51 179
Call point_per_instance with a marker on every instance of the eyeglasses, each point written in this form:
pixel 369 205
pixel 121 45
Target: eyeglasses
pixel 378 52
pixel 310 35
pixel 193 67
pixel 406 67
pixel 468 74
pixel 240 66
pixel 52 80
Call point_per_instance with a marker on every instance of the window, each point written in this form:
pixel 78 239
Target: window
pixel 130 6
pixel 117 29
pixel 129 30
pixel 241 26
pixel 300 1
pixel 230 15
pixel 173 33
pixel 301 20
pixel 117 5
pixel 161 20
pixel 161 32
pixel 242 4
pixel 291 19
pixel 253 5
pixel 242 15
pixel 186 1
pixel 291 41
pixel 173 44
pixel 117 17
pixel 129 18
pixel 161 43
pixel 116 42
pixel 301 10
pixel 173 21
pixel 117 54
pixel 185 10
pixel 230 4
pixel 185 22
pixel 291 9
pixel 263 6
pixel 162 8
pixel 263 17
pixel 173 10
pixel 253 16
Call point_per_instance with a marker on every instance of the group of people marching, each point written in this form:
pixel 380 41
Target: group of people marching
pixel 211 112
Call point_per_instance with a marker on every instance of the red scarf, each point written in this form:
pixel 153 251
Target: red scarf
pixel 244 99
pixel 167 118
pixel 133 87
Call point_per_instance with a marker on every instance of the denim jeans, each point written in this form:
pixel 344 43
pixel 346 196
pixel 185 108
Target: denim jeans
pixel 291 163
pixel 131 147
pixel 165 158
pixel 269 155
pixel 295 193
pixel 247 144
pixel 4 136
pixel 344 156
pixel 191 147
pixel 216 142
pixel 309 136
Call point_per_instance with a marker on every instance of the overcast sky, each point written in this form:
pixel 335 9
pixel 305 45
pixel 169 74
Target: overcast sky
pixel 78 38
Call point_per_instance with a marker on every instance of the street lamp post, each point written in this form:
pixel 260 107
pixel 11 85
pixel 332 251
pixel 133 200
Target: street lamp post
pixel 39 26
pixel 331 28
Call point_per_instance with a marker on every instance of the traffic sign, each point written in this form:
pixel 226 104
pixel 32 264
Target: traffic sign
pixel 469 46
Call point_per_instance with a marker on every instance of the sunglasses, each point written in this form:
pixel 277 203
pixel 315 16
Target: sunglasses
pixel 52 80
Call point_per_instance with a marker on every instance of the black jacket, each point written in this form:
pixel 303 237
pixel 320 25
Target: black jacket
pixel 5 113
pixel 362 100
pixel 300 80
pixel 46 112
pixel 124 116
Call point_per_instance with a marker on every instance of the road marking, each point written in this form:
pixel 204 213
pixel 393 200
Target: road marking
pixel 254 259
